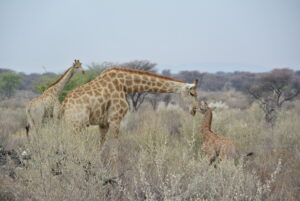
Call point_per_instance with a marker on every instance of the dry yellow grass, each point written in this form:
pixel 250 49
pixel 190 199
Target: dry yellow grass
pixel 161 160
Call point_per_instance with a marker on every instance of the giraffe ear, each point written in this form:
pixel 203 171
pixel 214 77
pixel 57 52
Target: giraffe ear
pixel 204 102
pixel 196 82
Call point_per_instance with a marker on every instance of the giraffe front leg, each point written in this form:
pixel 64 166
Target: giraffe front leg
pixel 103 129
pixel 114 132
pixel 118 112
pixel 114 129
pixel 213 158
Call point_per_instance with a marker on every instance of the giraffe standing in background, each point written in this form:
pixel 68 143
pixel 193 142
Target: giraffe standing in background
pixel 47 105
pixel 102 101
pixel 214 145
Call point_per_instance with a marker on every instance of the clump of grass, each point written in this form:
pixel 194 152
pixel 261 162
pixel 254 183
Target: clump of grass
pixel 13 120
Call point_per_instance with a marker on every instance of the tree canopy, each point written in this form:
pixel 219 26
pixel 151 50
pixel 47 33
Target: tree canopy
pixel 9 83
pixel 274 88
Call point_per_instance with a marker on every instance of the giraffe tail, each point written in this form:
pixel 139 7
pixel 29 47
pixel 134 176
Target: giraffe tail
pixel 250 154
pixel 30 121
pixel 27 127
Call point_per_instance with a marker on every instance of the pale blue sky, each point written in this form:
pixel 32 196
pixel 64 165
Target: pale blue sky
pixel 211 35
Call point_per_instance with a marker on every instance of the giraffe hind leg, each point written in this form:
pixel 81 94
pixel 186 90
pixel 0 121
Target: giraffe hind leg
pixel 213 158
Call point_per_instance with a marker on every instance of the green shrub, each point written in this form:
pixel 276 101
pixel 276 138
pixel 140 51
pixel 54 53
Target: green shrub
pixel 9 83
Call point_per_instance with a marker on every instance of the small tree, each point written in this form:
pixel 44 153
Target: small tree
pixel 9 82
pixel 273 89
pixel 153 99
pixel 136 99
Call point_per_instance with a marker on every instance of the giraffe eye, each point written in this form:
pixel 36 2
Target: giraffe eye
pixel 192 94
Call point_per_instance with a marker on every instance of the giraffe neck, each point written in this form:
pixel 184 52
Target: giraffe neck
pixel 206 123
pixel 157 85
pixel 58 86
pixel 137 81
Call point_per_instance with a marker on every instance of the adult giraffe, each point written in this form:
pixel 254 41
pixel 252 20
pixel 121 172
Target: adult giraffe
pixel 102 101
pixel 47 104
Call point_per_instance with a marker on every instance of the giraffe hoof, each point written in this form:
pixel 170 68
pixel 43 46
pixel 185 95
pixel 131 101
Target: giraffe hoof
pixel 111 181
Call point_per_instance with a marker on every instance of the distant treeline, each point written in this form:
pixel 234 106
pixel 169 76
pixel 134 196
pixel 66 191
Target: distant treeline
pixel 271 89
pixel 239 81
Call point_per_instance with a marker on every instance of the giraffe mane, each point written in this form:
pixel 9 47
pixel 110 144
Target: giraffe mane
pixel 54 83
pixel 143 73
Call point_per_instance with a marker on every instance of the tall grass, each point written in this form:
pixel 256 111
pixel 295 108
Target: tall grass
pixel 159 159
pixel 13 119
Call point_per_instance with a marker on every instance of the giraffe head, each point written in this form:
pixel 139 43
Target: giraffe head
pixel 191 89
pixel 200 106
pixel 77 66
pixel 203 107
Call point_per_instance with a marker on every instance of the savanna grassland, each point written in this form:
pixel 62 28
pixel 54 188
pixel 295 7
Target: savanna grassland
pixel 159 153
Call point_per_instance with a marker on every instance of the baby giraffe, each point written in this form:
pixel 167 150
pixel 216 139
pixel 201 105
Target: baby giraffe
pixel 215 146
